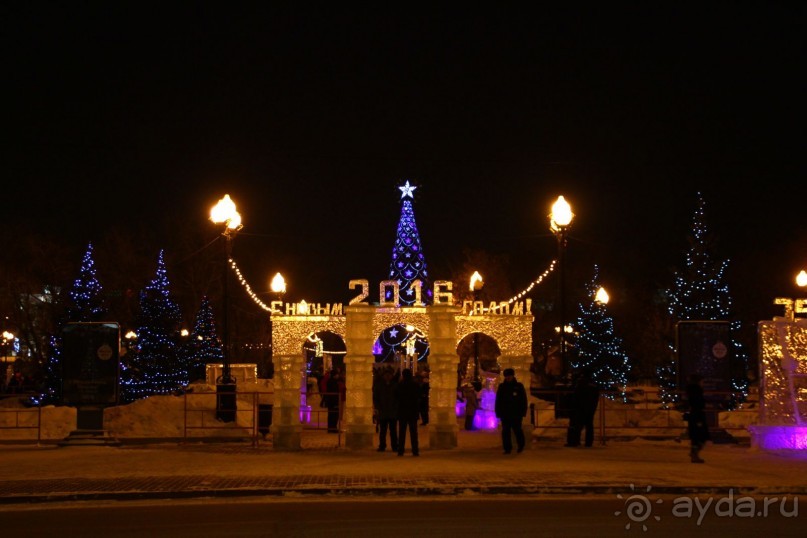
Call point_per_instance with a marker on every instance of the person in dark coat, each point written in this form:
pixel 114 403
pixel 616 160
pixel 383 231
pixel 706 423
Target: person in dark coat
pixel 331 398
pixel 407 396
pixel 585 398
pixel 422 381
pixel 511 408
pixel 697 428
pixel 387 408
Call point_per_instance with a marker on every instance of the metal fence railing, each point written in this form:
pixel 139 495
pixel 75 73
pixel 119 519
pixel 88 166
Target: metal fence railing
pixel 21 419
pixel 200 418
pixel 317 416
pixel 643 412
pixel 619 414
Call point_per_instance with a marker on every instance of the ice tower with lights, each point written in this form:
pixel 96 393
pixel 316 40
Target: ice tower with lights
pixel 783 380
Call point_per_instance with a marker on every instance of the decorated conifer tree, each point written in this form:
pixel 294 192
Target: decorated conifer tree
pixel 408 262
pixel 156 366
pixel 598 349
pixel 204 346
pixel 86 304
pixel 700 292
pixel 86 299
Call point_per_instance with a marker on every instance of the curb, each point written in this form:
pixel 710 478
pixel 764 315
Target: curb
pixel 395 491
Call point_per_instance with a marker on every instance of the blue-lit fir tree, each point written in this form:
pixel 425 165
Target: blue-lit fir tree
pixel 86 299
pixel 408 262
pixel 204 346
pixel 700 293
pixel 86 304
pixel 156 366
pixel 598 349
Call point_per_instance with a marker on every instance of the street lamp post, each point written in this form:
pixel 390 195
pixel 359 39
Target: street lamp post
pixel 475 286
pixel 560 220
pixel 224 212
pixel 801 279
pixel 7 342
pixel 601 296
pixel 278 287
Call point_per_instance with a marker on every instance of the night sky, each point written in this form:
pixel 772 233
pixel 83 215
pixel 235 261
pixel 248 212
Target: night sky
pixel 311 118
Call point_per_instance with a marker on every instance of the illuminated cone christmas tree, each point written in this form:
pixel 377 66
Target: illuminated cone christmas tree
pixel 204 346
pixel 408 262
pixel 86 304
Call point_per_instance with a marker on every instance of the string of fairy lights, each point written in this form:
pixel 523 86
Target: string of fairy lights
pixel 518 296
pixel 526 290
pixel 248 288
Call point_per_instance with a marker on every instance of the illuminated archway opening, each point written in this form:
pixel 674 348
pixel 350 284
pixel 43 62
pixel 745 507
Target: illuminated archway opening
pixel 478 367
pixel 402 345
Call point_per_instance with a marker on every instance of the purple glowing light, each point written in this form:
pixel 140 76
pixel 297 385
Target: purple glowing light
pixel 779 437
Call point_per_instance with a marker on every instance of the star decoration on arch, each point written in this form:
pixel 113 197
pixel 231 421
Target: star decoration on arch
pixel 407 190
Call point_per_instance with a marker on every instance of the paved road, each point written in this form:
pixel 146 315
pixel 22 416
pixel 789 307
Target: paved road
pixel 390 517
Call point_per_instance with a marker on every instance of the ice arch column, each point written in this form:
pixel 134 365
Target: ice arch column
pixel 443 376
pixel 286 427
pixel 359 338
pixel 521 365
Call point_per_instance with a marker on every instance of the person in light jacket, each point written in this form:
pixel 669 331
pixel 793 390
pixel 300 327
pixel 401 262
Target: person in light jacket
pixel 471 405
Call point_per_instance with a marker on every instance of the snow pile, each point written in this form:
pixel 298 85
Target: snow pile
pixel 19 422
pixel 192 414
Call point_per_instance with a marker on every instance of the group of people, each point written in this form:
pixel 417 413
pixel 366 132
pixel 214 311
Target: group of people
pixel 18 383
pixel 400 400
pixel 585 397
pixel 399 403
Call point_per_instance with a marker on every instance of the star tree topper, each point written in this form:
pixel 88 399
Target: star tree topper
pixel 407 190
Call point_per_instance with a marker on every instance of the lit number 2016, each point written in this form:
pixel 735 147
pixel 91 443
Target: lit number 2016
pixel 416 285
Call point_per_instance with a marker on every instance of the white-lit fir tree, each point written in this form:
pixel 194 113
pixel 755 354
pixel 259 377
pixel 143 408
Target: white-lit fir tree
pixel 408 261
pixel 598 350
pixel 86 304
pixel 203 347
pixel 700 292
pixel 156 366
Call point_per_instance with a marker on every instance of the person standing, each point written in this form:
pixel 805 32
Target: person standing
pixel 387 408
pixel 697 427
pixel 471 405
pixel 407 396
pixel 585 399
pixel 511 408
pixel 422 380
pixel 331 397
